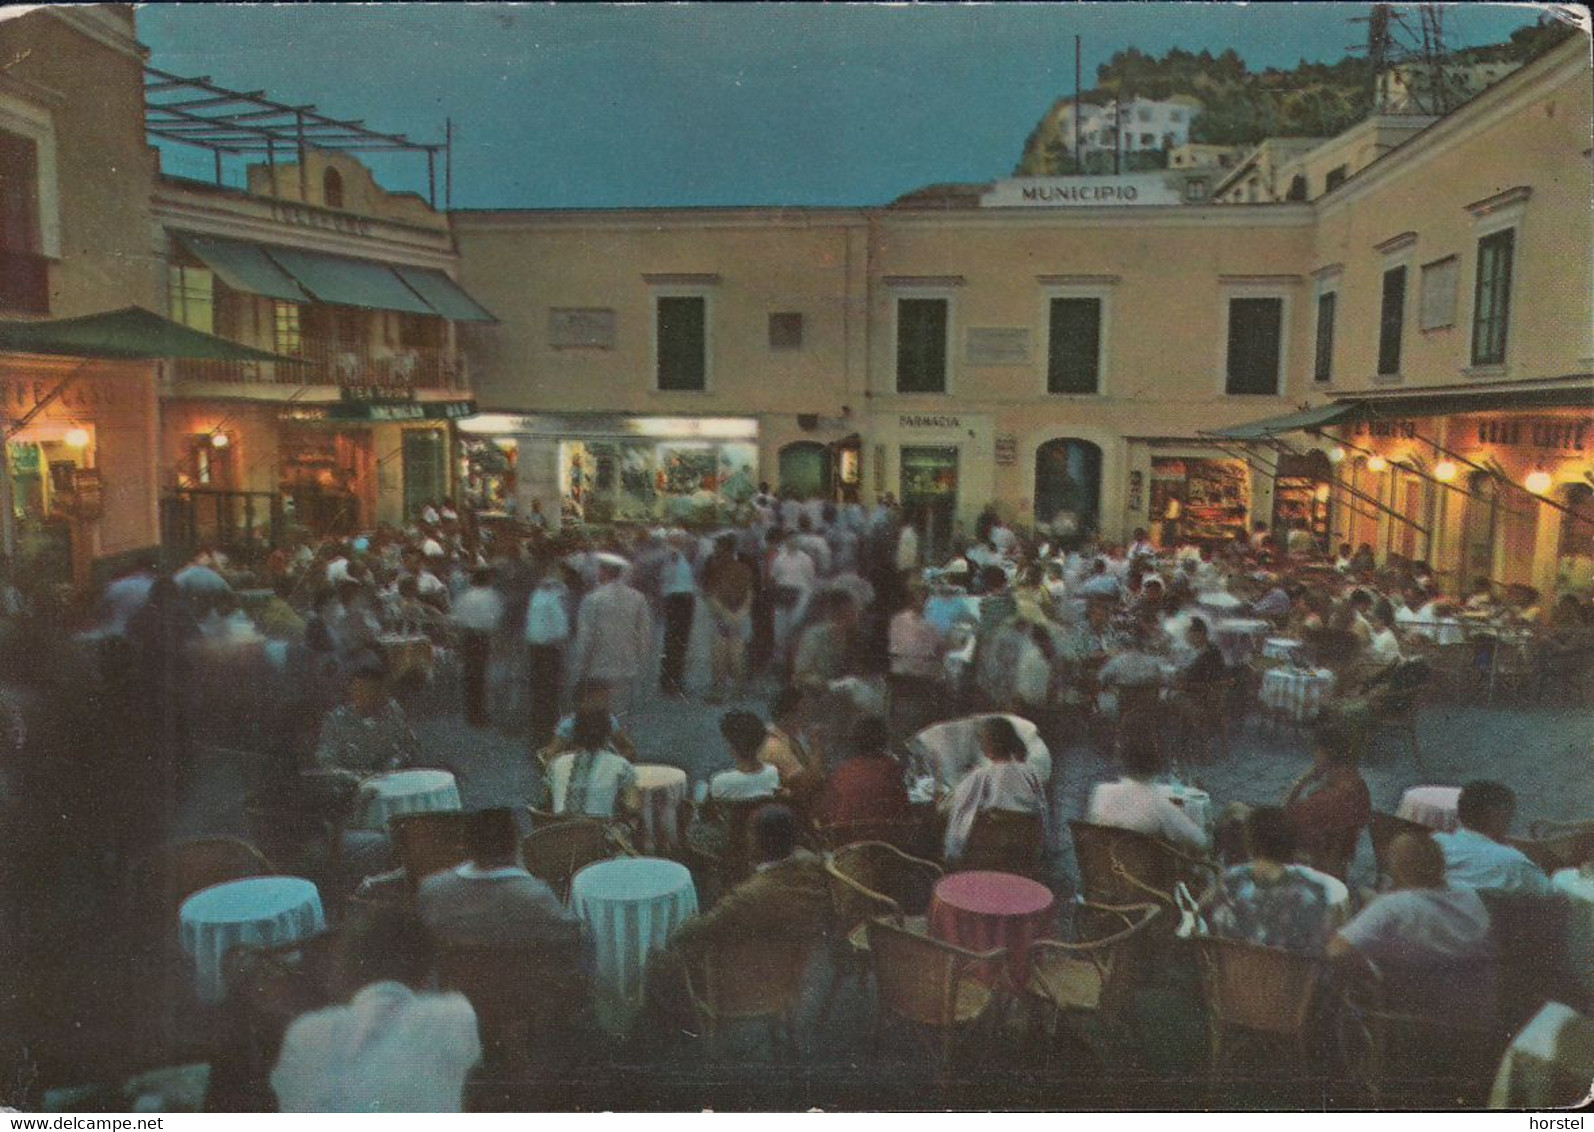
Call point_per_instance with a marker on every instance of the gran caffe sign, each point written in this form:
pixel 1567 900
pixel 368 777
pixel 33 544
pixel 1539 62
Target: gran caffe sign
pixel 1570 434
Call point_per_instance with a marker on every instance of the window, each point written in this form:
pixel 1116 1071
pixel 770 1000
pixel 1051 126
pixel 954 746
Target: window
pixel 1323 363
pixel 1336 178
pixel 681 339
pixel 1148 140
pixel 1073 352
pixel 193 297
pixel 921 345
pixel 1297 189
pixel 1391 317
pixel 24 283
pixel 1438 294
pixel 786 330
pixel 332 189
pixel 1491 300
pixel 1256 331
pixel 1195 189
pixel 1176 116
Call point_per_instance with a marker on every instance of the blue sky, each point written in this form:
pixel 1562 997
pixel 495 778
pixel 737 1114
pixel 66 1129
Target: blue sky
pixel 561 106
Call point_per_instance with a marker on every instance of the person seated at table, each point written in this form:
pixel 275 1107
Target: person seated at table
pixel 1135 803
pixel 1206 666
pixel 367 732
pixel 277 618
pixel 592 695
pixel 1005 780
pixel 1476 855
pixel 750 777
pixel 915 645
pixel 1266 900
pixel 785 746
pixel 1275 605
pixel 1429 941
pixel 869 786
pixel 492 901
pixel 590 777
pixel 1330 804
pixel 396 1046
pixel 1133 672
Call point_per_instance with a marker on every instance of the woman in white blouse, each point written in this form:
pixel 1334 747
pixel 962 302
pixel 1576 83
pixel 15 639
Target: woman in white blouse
pixel 590 778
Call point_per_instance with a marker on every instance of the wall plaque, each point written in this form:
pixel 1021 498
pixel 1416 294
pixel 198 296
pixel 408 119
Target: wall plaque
pixel 581 328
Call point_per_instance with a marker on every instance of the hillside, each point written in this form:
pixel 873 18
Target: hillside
pixel 1241 107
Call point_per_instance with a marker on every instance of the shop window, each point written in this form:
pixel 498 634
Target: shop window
pixel 286 337
pixel 1575 569
pixel 929 493
pixel 1491 303
pixel 193 297
pixel 332 189
pixel 1198 500
pixel 1256 330
pixel 24 284
pixel 805 470
pixel 1478 528
pixel 921 345
pixel 1323 362
pixel 1438 294
pixel 1391 319
pixel 786 330
pixel 681 325
pixel 1068 487
pixel 1073 351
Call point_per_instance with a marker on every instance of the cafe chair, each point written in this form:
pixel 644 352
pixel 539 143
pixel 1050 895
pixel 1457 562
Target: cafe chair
pixel 1259 992
pixel 1556 845
pixel 932 985
pixel 907 834
pixel 1383 828
pixel 1395 700
pixel 747 979
pixel 268 987
pixel 870 879
pixel 428 843
pixel 521 994
pixel 1122 867
pixel 1091 977
pixel 556 853
pixel 1005 841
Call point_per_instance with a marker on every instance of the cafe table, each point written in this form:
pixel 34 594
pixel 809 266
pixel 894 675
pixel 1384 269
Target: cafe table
pixel 1432 806
pixel 385 796
pixel 660 792
pixel 1296 693
pixel 631 906
pixel 983 911
pixel 1196 803
pixel 1549 1064
pixel 1281 648
pixel 1236 637
pixel 254 912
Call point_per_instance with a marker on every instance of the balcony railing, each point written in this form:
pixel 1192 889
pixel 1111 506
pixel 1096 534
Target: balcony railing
pixel 24 282
pixel 397 369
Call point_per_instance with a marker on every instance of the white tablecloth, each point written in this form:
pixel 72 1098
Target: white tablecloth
pixel 1297 692
pixel 1280 648
pixel 631 905
pixel 1432 806
pixel 1550 1064
pixel 1221 602
pixel 406 792
pixel 1579 892
pixel 1236 637
pixel 950 750
pixel 257 912
pixel 1197 804
pixel 662 789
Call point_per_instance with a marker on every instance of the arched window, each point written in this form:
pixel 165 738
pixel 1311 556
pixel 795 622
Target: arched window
pixel 332 189
pixel 1068 486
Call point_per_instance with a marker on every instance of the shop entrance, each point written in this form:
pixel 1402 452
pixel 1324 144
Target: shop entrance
pixel 930 496
pixel 805 470
pixel 1068 487
pixel 1575 563
pixel 1200 501
pixel 1301 493
pixel 1477 530
pixel 425 457
pixel 326 475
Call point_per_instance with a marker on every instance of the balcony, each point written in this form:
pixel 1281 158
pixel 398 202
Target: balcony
pixel 24 282
pixel 395 370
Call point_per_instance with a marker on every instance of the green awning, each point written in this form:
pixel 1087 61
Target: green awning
pixel 243 267
pixel 444 294
pixel 348 282
pixel 129 333
pixel 1297 421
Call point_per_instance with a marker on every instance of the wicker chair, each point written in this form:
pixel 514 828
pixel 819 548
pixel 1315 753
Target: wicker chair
pixel 268 987
pixel 745 979
pixel 872 879
pixel 1122 867
pixel 1005 841
pixel 1555 845
pixel 518 992
pixel 190 866
pixel 932 985
pixel 557 852
pixel 1262 991
pixel 429 843
pixel 908 834
pixel 1089 977
pixel 1397 700
pixel 1383 829
pixel 1377 1037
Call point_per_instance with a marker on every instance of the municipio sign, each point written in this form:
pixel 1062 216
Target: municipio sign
pixel 1127 189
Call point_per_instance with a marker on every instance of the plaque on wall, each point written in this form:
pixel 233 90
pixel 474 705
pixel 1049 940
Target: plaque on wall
pixel 998 346
pixel 581 328
pixel 1006 449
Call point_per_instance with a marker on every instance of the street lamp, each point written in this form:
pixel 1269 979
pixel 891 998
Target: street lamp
pixel 1445 471
pixel 1336 455
pixel 1539 481
pixel 1376 463
pixel 77 438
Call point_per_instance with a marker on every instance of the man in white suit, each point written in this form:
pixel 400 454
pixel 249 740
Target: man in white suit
pixel 614 635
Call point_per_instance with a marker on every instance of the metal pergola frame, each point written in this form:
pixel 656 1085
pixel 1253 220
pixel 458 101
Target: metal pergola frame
pixel 201 113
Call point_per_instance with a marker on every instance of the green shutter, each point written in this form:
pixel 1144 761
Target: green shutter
pixel 921 345
pixel 1391 320
pixel 1074 348
pixel 1491 301
pixel 1256 328
pixel 681 338
pixel 1323 367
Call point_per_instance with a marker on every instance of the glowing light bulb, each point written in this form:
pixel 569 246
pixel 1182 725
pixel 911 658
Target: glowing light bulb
pixel 219 440
pixel 1376 463
pixel 1336 454
pixel 77 438
pixel 1322 493
pixel 1539 482
pixel 1445 471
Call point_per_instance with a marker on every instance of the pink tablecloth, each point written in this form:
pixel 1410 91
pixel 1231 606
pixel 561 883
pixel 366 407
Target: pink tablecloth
pixel 982 911
pixel 1433 806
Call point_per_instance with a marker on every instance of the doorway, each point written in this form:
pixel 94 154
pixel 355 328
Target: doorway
pixel 1068 487
pixel 930 496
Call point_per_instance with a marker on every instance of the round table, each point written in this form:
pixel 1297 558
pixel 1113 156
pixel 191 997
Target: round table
pixel 1296 692
pixel 406 792
pixel 1432 806
pixel 257 912
pixel 661 790
pixel 1549 1063
pixel 1280 648
pixel 982 911
pixel 631 906
pixel 1236 637
pixel 1197 804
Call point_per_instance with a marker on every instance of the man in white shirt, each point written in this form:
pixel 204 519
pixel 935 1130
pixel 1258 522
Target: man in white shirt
pixel 1476 856
pixel 547 631
pixel 477 614
pixel 679 589
pixel 393 1048
pixel 614 635
pixel 814 546
pixel 793 575
pixel 1134 802
pixel 907 556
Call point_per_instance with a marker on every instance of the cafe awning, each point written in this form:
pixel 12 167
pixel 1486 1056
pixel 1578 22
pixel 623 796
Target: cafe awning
pixel 243 267
pixel 1298 421
pixel 349 282
pixel 127 334
pixel 445 296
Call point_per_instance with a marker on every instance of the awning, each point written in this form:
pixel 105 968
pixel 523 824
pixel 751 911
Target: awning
pixel 1575 391
pixel 349 282
pixel 1297 421
pixel 243 267
pixel 444 294
pixel 400 411
pixel 129 333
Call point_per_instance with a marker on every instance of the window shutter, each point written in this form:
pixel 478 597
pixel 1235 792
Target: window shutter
pixel 681 343
pixel 1391 320
pixel 1323 364
pixel 1256 328
pixel 921 345
pixel 1074 347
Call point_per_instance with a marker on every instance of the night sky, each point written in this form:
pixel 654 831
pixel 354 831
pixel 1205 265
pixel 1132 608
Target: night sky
pixel 699 104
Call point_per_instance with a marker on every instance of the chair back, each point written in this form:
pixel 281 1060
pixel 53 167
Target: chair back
pixel 1005 841
pixel 557 852
pixel 907 834
pixel 1333 852
pixel 206 861
pixel 1383 829
pixel 1567 846
pixel 751 978
pixel 872 878
pixel 429 843
pixel 917 977
pixel 738 818
pixel 511 987
pixel 1265 989
pixel 1120 866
